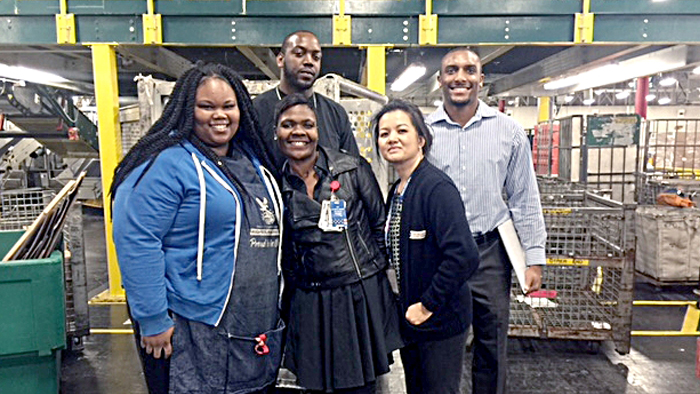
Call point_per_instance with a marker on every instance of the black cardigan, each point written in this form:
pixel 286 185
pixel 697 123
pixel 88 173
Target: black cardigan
pixel 438 255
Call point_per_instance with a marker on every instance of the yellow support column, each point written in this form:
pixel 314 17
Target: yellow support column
pixel 104 63
pixel 342 26
pixel 428 26
pixel 543 105
pixel 65 24
pixel 583 24
pixel 376 68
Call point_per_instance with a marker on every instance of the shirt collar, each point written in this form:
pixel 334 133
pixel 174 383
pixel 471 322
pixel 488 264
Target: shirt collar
pixel 321 168
pixel 482 111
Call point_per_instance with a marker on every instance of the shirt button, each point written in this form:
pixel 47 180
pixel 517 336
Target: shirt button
pixel 464 167
pixel 464 189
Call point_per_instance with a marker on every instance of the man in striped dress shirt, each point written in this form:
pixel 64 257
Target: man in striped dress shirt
pixel 486 153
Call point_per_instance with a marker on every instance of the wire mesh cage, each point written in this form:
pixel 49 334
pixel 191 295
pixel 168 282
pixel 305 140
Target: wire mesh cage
pixel 20 207
pixel 589 273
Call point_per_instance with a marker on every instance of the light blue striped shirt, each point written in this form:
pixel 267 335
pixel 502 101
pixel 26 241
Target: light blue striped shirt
pixel 490 154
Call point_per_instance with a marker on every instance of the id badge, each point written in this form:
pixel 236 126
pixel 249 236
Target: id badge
pixel 393 280
pixel 339 217
pixel 324 221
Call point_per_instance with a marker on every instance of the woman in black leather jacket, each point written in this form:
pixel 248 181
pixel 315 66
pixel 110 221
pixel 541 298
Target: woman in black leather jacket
pixel 342 320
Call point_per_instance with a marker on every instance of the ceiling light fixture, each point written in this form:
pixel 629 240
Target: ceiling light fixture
pixel 662 61
pixel 650 97
pixel 410 75
pixel 568 99
pixel 586 75
pixel 696 70
pixel 30 75
pixel 588 101
pixel 622 95
pixel 664 100
pixel 437 103
pixel 668 81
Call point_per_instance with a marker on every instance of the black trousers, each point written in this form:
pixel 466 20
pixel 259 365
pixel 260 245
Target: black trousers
pixel 490 287
pixel 156 371
pixel 434 367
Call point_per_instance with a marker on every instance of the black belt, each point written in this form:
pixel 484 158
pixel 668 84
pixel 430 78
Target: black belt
pixel 483 238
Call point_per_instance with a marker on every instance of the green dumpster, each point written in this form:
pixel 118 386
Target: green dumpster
pixel 32 321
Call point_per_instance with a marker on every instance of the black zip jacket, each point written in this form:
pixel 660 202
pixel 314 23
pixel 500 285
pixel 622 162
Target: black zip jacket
pixel 438 255
pixel 314 259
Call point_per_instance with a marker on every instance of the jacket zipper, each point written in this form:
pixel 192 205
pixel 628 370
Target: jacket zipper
pixel 362 241
pixel 352 254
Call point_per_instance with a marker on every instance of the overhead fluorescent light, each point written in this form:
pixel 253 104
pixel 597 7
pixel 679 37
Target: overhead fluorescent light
pixel 650 97
pixel 598 92
pixel 561 83
pixel 31 75
pixel 511 102
pixel 410 75
pixel 696 70
pixel 593 74
pixel 668 81
pixel 437 103
pixel 631 84
pixel 588 101
pixel 664 100
pixel 660 61
pixel 622 95
pixel 568 99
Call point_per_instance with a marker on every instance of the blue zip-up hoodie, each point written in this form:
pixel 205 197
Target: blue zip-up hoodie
pixel 177 250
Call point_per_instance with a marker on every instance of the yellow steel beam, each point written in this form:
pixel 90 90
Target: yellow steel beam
pixel 105 298
pixel 583 24
pixel 342 26
pixel 111 331
pixel 428 26
pixel 65 24
pixel 104 63
pixel 376 68
pixel 691 320
pixel 152 25
pixel 543 104
pixel 665 334
pixel 664 303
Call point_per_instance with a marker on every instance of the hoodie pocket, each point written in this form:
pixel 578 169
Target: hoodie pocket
pixel 254 360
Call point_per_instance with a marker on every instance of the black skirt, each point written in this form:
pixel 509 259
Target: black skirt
pixel 342 338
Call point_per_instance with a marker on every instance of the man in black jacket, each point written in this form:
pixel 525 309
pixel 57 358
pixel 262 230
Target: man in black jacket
pixel 299 62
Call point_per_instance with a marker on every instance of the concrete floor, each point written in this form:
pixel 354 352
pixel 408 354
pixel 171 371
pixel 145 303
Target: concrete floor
pixel 109 365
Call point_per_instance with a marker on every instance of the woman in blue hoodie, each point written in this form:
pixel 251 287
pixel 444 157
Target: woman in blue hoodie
pixel 197 227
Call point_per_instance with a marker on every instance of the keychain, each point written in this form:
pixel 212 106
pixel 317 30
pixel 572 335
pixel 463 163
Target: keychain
pixel 333 213
pixel 261 347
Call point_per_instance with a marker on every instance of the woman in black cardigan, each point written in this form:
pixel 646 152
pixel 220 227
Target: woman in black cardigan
pixel 431 251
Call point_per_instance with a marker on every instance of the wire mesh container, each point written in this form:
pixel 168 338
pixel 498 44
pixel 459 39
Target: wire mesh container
pixel 588 278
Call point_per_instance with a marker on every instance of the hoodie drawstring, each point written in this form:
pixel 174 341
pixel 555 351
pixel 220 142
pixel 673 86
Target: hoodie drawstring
pixel 202 215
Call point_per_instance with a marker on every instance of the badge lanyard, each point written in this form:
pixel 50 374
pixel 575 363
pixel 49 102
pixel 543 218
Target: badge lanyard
pixel 391 211
pixel 333 213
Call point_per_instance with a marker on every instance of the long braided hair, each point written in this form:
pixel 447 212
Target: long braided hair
pixel 177 124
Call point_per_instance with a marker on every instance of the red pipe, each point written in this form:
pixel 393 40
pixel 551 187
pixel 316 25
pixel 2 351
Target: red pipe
pixel 640 98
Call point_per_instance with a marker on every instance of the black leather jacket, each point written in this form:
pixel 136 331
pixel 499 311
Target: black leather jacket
pixel 314 259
